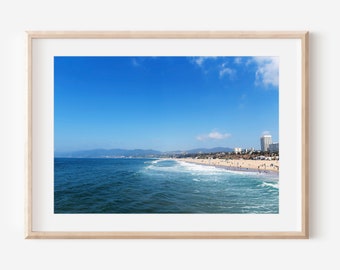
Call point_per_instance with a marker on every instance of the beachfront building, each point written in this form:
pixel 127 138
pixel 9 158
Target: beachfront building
pixel 266 140
pixel 237 150
pixel 274 147
pixel 249 150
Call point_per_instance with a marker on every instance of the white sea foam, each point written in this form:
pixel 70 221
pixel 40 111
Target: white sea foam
pixel 198 171
pixel 200 168
pixel 266 184
pixel 182 167
pixel 212 169
pixel 243 172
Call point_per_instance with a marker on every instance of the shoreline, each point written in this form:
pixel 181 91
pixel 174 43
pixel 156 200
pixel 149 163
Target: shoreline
pixel 259 166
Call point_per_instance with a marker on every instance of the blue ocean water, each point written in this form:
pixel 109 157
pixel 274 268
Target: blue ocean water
pixel 84 185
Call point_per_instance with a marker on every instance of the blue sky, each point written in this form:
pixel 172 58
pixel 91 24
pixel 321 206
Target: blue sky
pixel 164 103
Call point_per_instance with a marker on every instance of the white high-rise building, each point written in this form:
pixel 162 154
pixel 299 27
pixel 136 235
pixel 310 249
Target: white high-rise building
pixel 266 140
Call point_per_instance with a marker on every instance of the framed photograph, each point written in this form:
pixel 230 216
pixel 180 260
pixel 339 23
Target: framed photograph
pixel 167 135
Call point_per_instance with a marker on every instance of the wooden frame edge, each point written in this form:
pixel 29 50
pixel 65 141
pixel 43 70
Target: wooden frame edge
pixel 28 184
pixel 166 235
pixel 305 132
pixel 302 35
pixel 166 34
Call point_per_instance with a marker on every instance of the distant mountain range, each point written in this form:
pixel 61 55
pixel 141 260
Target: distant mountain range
pixel 115 153
pixel 210 150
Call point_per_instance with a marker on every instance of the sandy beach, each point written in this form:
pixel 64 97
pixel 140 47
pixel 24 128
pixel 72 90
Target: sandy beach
pixel 238 164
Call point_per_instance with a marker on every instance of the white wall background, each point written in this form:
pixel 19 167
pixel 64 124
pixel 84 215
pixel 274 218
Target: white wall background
pixel 319 17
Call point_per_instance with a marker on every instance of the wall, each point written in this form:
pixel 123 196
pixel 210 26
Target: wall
pixel 319 17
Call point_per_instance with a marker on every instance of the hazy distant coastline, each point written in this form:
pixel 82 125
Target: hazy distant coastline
pixel 147 153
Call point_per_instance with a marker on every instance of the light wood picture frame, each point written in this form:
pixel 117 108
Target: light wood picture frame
pixel 293 49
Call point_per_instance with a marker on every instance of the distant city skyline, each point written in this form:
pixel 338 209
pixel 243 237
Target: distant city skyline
pixel 164 103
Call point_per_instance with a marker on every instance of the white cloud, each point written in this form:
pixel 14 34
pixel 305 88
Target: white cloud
pixel 225 71
pixel 238 60
pixel 213 64
pixel 214 135
pixel 267 72
pixel 199 61
pixel 135 62
pixel 266 132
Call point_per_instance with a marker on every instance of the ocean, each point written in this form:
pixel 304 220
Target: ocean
pixel 145 186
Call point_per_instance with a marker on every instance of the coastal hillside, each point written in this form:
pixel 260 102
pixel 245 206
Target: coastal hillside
pixel 112 153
